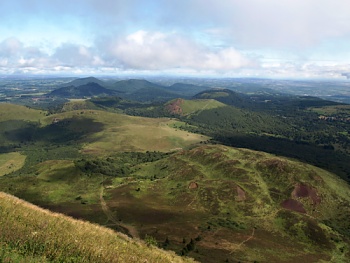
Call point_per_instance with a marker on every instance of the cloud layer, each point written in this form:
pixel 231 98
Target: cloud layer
pixel 227 37
pixel 138 51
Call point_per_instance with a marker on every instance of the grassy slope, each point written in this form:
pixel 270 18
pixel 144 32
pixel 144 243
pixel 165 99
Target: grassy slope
pixel 192 106
pixel 10 162
pixel 255 227
pixel 330 110
pixel 32 234
pixel 127 133
pixel 165 207
pixel 155 199
pixel 187 107
pixel 78 104
pixel 14 119
pixel 17 112
pixel 213 95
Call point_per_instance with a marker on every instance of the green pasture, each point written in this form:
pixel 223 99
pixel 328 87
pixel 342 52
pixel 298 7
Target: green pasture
pixel 127 133
pixel 10 162
pixel 332 110
pixel 9 112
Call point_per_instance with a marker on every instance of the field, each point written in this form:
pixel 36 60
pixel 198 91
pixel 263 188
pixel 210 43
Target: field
pixel 187 107
pixel 10 112
pixel 120 132
pixel 333 110
pixel 192 106
pixel 11 162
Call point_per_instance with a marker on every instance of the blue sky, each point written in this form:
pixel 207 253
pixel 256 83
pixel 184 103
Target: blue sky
pixel 228 38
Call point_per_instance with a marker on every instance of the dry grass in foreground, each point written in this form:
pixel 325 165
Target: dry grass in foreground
pixel 31 234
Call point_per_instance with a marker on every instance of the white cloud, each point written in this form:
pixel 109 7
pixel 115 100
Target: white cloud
pixel 158 51
pixel 149 52
pixel 14 54
pixel 329 70
pixel 3 62
pixel 269 23
pixel 249 23
pixel 195 36
pixel 76 56
pixel 10 47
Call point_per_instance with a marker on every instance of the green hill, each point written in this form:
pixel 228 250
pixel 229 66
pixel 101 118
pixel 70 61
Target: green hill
pixel 90 89
pixel 84 81
pixel 11 112
pixel 32 234
pixel 186 107
pixel 10 162
pixel 132 85
pixel 102 132
pixel 15 120
pixel 213 203
pixel 79 128
pixel 238 204
pixel 225 96
pixel 78 104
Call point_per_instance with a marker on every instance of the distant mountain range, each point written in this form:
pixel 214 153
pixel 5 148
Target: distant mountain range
pixel 252 97
pixel 132 89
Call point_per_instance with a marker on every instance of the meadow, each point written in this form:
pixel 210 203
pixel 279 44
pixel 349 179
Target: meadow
pixel 10 112
pixel 10 162
pixel 120 132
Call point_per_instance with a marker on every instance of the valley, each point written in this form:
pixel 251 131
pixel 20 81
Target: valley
pixel 217 175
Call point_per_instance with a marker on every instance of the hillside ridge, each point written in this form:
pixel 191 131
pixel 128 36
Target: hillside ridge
pixel 32 234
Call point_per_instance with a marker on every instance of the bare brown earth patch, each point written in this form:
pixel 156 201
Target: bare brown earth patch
pixel 240 194
pixel 174 107
pixel 193 185
pixel 293 205
pixel 305 191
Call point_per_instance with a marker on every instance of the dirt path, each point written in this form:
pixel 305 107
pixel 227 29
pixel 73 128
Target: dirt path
pixel 132 230
pixel 200 110
pixel 244 241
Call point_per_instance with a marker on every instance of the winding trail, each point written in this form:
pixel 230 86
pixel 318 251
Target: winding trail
pixel 132 230
pixel 244 241
pixel 200 110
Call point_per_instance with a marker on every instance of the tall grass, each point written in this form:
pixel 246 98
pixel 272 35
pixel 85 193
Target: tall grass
pixel 31 234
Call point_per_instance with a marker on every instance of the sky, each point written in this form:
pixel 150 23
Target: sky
pixel 291 39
